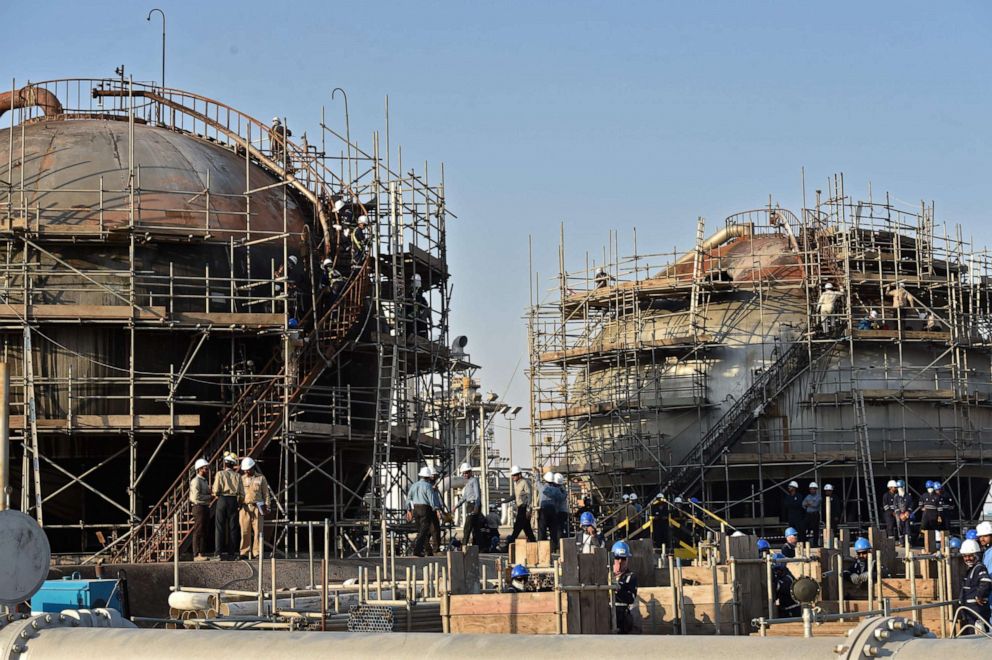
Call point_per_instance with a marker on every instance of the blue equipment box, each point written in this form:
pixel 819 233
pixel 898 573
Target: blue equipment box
pixel 73 593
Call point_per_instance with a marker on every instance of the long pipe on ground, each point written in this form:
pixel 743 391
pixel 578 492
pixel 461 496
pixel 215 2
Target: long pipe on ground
pixel 30 96
pixel 51 637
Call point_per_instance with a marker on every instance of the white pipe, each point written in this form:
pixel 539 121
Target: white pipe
pixel 714 241
pixel 187 600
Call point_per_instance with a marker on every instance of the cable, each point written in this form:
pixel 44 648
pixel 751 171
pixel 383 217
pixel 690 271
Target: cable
pixel 978 616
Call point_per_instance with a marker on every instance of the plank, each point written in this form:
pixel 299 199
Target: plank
pixel 73 312
pixel 487 604
pixel 502 624
pixel 100 422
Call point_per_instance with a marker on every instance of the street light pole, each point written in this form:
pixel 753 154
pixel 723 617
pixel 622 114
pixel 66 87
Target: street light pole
pixel 149 18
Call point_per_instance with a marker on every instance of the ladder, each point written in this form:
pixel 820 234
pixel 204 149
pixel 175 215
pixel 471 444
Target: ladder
pixel 250 424
pixel 864 454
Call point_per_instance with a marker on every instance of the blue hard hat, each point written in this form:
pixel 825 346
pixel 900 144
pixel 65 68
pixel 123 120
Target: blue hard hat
pixel 694 500
pixel 764 545
pixel 862 545
pixel 971 535
pixel 293 324
pixel 937 485
pixel 587 519
pixel 900 484
pixel 620 550
pixel 954 543
pixel 779 560
pixel 929 484
pixel 791 531
pixel 519 571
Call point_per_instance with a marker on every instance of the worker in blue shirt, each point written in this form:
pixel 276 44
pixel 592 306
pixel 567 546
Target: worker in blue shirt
pixel 420 505
pixel 547 514
pixel 984 534
pixel 472 500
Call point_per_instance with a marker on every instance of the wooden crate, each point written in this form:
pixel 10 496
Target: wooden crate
pixel 524 614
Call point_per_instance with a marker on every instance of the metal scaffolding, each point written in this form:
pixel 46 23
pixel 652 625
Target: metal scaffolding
pixel 337 378
pixel 717 373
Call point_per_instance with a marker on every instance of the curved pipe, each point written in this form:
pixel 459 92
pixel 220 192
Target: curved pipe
pixel 714 241
pixel 30 96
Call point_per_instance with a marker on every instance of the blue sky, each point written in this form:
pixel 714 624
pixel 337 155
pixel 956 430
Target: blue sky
pixel 601 115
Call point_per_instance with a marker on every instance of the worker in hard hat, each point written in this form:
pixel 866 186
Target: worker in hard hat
pixel 983 533
pixel 519 580
pixel 230 493
pixel 902 504
pixel 954 545
pixel 836 507
pixel 522 496
pixel 629 507
pixel 827 306
pixel 199 497
pixel 603 278
pixel 976 587
pixel 257 501
pixel 888 507
pixel 811 509
pixel 791 539
pixel 792 508
pixel 278 133
pixel 634 503
pixel 945 506
pixel 549 504
pixel 563 512
pixel 359 241
pixel 471 499
pixel 858 572
pixel 764 547
pixel 782 581
pixel 588 538
pixel 659 521
pixel 420 508
pixel 625 599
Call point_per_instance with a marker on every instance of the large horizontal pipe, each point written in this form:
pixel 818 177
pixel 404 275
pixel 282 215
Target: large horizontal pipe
pixel 54 636
pixel 29 96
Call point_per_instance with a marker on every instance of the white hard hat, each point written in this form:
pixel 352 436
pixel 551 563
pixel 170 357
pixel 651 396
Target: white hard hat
pixel 327 262
pixel 247 463
pixel 813 484
pixel 275 120
pixel 892 484
pixel 828 487
pixel 549 477
pixel 559 478
pixel 793 484
pixel 293 259
pixel 970 547
pixel 363 219
pixel 465 467
pixel 338 205
pixel 633 496
pixel 426 472
pixel 873 314
pixel 828 286
pixel 626 497
pixel 200 463
pixel 678 500
pixel 738 533
pixel 514 470
pixel 984 528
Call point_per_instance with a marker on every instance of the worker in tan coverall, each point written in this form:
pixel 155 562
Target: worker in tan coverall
pixel 901 300
pixel 230 494
pixel 256 505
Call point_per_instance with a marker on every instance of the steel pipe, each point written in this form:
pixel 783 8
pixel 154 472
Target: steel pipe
pixel 30 96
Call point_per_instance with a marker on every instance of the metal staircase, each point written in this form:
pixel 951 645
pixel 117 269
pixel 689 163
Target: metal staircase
pixel 250 424
pixel 745 410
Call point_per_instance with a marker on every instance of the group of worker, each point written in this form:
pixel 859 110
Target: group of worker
pixel 624 598
pixel 899 509
pixel 242 499
pixel 902 301
pixel 803 511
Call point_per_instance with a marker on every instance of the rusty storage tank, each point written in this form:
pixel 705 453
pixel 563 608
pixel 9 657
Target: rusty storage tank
pixel 143 267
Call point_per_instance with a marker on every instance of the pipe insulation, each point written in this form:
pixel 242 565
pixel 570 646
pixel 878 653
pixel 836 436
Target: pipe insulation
pixel 52 636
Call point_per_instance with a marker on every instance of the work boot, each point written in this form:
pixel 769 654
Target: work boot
pixel 201 558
